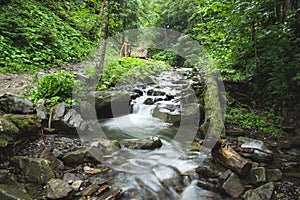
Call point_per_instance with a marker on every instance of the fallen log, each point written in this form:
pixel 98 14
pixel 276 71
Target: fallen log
pixel 229 158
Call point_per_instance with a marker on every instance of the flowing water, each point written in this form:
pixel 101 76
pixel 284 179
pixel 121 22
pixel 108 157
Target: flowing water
pixel 163 173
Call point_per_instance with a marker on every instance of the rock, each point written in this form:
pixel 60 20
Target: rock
pixel 13 191
pixel 263 192
pixel 193 192
pixel 8 132
pixel 41 110
pixel 59 111
pixel 90 190
pixel 166 115
pixel 153 92
pixel 224 176
pixel 258 175
pixel 37 170
pixel 15 105
pixel 90 170
pixel 109 103
pixel 147 143
pixel 206 172
pixel 273 175
pixel 233 186
pixel 149 101
pixel 260 154
pixel 57 188
pixel 70 178
pixel 76 185
pixel 78 156
pixel 56 164
pixel 206 185
pixel 107 146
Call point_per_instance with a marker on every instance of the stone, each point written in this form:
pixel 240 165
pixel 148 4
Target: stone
pixel 153 92
pixel 56 164
pixel 263 192
pixel 37 170
pixel 70 178
pixel 233 186
pixel 258 175
pixel 273 175
pixel 224 176
pixel 206 172
pixel 78 156
pixel 76 185
pixel 260 152
pixel 15 105
pixel 149 101
pixel 41 110
pixel 57 188
pixel 109 103
pixel 166 115
pixel 147 143
pixel 8 132
pixel 59 111
pixel 15 191
pixel 90 170
pixel 194 192
pixel 90 190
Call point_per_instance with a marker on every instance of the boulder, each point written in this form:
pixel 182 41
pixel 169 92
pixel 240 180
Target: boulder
pixel 109 103
pixel 166 115
pixel 78 156
pixel 37 170
pixel 13 191
pixel 41 110
pixel 8 132
pixel 273 175
pixel 57 188
pixel 260 152
pixel 233 186
pixel 15 105
pixel 258 175
pixel 147 143
pixel 263 192
pixel 56 164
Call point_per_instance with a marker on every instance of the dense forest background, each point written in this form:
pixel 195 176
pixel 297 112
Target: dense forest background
pixel 253 41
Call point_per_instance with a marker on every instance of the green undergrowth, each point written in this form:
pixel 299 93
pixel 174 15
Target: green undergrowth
pixel 128 70
pixel 54 88
pixel 266 122
pixel 32 36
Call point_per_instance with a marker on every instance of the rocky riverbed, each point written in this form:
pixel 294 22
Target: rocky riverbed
pixel 67 157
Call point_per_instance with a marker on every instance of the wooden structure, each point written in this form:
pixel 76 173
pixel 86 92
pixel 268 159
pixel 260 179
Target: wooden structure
pixel 129 50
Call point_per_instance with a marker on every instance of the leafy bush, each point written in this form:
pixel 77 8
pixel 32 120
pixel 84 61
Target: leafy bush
pixel 252 120
pixel 56 87
pixel 131 68
pixel 169 57
pixel 33 37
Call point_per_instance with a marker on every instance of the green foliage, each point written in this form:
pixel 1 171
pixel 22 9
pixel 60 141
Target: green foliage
pixel 129 69
pixel 252 120
pixel 55 88
pixel 169 57
pixel 33 37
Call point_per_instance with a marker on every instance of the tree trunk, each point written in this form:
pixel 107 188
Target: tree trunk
pixel 104 36
pixel 226 156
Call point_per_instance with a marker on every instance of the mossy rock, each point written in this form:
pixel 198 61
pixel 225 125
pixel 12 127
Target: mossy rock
pixel 8 132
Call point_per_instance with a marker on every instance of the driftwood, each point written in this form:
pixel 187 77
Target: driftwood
pixel 226 156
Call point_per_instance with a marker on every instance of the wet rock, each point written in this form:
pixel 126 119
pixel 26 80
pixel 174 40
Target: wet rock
pixel 260 152
pixel 263 192
pixel 8 132
pixel 79 156
pixel 149 101
pixel 273 175
pixel 258 175
pixel 107 146
pixel 166 115
pixel 206 172
pixel 87 110
pixel 37 170
pixel 90 170
pixel 233 186
pixel 90 190
pixel 15 105
pixel 147 143
pixel 13 191
pixel 110 103
pixel 224 176
pixel 206 185
pixel 193 192
pixel 153 92
pixel 57 188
